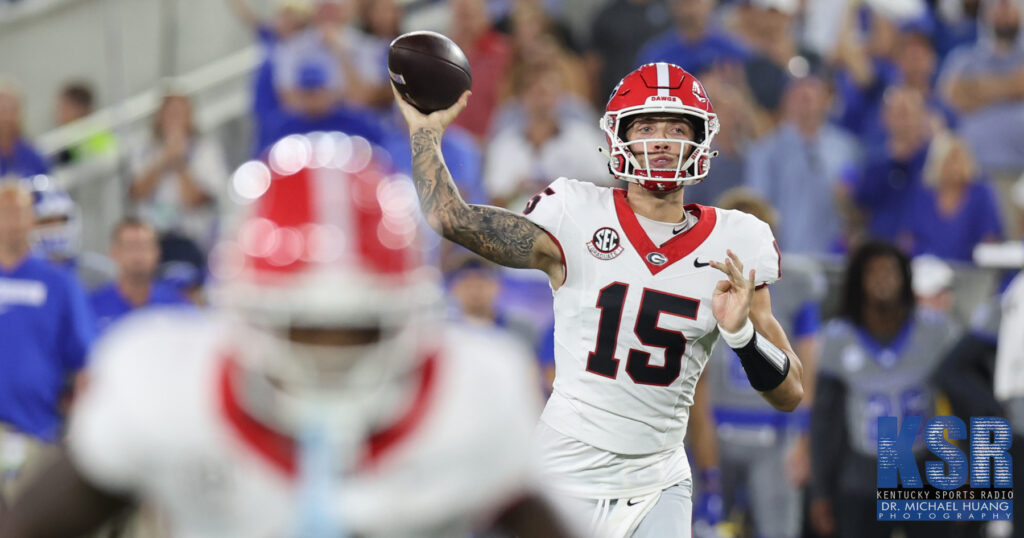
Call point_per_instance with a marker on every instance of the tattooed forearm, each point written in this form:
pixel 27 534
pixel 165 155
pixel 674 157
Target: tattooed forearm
pixel 494 233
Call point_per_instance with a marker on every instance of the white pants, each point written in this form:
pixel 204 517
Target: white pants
pixel 662 514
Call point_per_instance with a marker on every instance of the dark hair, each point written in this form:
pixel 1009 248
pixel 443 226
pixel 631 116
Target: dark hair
pixel 79 93
pixel 852 306
pixel 130 222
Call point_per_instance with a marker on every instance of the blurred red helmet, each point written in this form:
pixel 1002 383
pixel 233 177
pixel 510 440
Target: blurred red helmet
pixel 326 238
pixel 660 88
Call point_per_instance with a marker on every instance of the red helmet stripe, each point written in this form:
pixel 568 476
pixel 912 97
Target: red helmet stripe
pixel 288 205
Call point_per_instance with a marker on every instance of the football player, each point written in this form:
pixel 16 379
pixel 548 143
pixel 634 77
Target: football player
pixel 639 298
pixel 321 400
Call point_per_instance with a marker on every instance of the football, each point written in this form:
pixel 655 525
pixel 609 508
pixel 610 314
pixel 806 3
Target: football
pixel 429 70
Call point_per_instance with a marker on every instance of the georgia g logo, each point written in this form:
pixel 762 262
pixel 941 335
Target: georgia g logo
pixel 605 244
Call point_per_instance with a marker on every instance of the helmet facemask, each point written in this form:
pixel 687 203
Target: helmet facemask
pixel 689 171
pixel 339 356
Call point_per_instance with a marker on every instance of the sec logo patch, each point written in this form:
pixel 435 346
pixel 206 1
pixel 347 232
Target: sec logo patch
pixel 605 244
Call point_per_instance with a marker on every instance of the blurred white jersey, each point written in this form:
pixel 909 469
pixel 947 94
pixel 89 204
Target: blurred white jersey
pixel 633 321
pixel 161 418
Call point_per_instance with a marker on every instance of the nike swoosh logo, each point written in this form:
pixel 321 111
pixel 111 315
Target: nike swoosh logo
pixel 698 264
pixel 631 503
pixel 678 229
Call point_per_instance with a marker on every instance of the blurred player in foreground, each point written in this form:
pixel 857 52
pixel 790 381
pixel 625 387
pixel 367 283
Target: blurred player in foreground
pixel 319 400
pixel 638 296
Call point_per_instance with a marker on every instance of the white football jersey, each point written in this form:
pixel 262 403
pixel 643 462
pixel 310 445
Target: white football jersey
pixel 633 320
pixel 160 419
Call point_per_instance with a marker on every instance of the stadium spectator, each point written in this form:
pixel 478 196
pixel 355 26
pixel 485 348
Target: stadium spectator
pixel 776 53
pixel 764 452
pixel 534 41
pixel 910 63
pixel 798 169
pixel 737 116
pixel 75 101
pixel 535 49
pixel 381 19
pixel 865 69
pixel 956 210
pixel 183 266
pixel 136 250
pixel 178 173
pixel 985 83
pixel 554 15
pixel 877 359
pixel 619 30
pixel 933 283
pixel 521 160
pixel 956 24
pixel 474 285
pixel 694 43
pixel 888 182
pixel 916 60
pixel 17 157
pixel 46 330
pixel 489 53
pixel 339 116
pixel 57 235
pixel 290 17
pixel 345 63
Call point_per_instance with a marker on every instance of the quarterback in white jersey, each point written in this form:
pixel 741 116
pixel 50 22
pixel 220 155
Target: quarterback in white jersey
pixel 319 399
pixel 638 295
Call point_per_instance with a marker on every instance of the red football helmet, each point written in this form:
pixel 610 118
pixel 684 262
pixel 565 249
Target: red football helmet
pixel 326 239
pixel 660 88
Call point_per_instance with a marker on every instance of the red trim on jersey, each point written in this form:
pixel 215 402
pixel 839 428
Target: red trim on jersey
pixel 779 254
pixel 280 450
pixel 384 441
pixel 674 249
pixel 565 268
pixel 276 447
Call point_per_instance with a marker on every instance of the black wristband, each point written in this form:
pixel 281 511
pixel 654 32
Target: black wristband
pixel 766 365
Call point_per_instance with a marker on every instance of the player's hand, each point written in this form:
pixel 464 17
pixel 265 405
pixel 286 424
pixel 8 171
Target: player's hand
pixel 798 462
pixel 822 517
pixel 731 300
pixel 438 120
pixel 708 509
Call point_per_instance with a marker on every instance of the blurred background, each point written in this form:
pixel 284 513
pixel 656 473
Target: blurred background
pixel 843 122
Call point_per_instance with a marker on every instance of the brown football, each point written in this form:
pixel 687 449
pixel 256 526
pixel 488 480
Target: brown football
pixel 430 71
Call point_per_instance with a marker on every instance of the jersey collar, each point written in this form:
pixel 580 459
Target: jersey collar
pixel 675 249
pixel 281 450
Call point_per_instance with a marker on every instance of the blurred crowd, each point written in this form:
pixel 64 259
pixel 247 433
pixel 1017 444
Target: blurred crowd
pixel 866 133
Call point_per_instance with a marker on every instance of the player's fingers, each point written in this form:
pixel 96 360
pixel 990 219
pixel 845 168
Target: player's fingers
pixel 751 280
pixel 738 264
pixel 457 106
pixel 734 273
pixel 723 286
pixel 403 105
pixel 735 259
